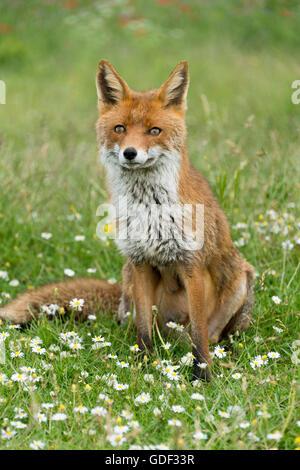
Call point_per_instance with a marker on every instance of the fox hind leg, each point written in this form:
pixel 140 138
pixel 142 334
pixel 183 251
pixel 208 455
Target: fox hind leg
pixel 241 320
pixel 127 292
pixel 124 308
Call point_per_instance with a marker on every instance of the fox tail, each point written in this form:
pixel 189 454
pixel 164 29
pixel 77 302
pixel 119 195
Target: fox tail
pixel 97 295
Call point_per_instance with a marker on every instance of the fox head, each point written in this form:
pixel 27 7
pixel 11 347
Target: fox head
pixel 138 130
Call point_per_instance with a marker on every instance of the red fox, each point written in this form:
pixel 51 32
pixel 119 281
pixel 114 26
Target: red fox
pixel 142 142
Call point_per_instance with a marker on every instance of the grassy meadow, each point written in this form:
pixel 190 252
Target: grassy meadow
pixel 243 134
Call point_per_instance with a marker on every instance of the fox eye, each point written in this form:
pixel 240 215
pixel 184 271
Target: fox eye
pixel 154 131
pixel 119 129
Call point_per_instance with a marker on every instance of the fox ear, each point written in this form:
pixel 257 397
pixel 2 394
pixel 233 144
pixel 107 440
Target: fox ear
pixel 111 88
pixel 174 90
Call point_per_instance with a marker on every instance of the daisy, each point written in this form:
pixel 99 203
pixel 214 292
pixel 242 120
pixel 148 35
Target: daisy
pixel 111 280
pixel 20 413
pixel 197 396
pixel 18 377
pixel 7 433
pixel 102 396
pixel 120 387
pixel 53 308
pixel 276 300
pixel 91 270
pixel 121 429
pixel 18 424
pixel 143 398
pixel 244 425
pixel 79 238
pixel 77 304
pixel 240 242
pixel 38 350
pixel 104 344
pixel 97 339
pixel 257 339
pixel 80 409
pixel 126 414
pixel 174 377
pixel 257 362
pixel 112 356
pixel 134 348
pixel 134 424
pixel 59 417
pixel 4 275
pixel 122 364
pixel 169 369
pixel 76 345
pixel 272 272
pixel 224 414
pixel 240 225
pixel 41 417
pixel 188 359
pixel 29 388
pixel 3 336
pixel 180 328
pixel 46 235
pixel 172 324
pixel 99 411
pixel 276 435
pixel 14 283
pixel 14 327
pixel 116 439
pixel 69 272
pixel 3 378
pixel 47 406
pixel 16 354
pixel 45 309
pixel 236 376
pixel 177 409
pixel 202 365
pixel 6 295
pixel 273 355
pixel 199 435
pixel 219 352
pixel 287 245
pixel 35 341
pixel 36 445
pixel 174 422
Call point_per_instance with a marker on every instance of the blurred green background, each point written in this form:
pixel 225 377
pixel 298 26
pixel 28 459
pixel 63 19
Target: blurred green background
pixel 243 130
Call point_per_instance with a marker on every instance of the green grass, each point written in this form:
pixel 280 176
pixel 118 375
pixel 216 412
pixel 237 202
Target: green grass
pixel 243 134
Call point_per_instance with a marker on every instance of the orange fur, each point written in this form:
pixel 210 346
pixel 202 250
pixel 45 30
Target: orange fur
pixel 211 288
pixel 98 295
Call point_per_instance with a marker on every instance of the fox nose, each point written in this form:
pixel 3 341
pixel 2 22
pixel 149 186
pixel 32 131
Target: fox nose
pixel 130 153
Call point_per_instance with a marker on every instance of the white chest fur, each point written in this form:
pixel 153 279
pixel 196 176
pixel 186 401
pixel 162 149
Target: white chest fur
pixel 149 212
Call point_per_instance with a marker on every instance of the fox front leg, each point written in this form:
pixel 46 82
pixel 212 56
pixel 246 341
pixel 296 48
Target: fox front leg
pixel 192 279
pixel 145 282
